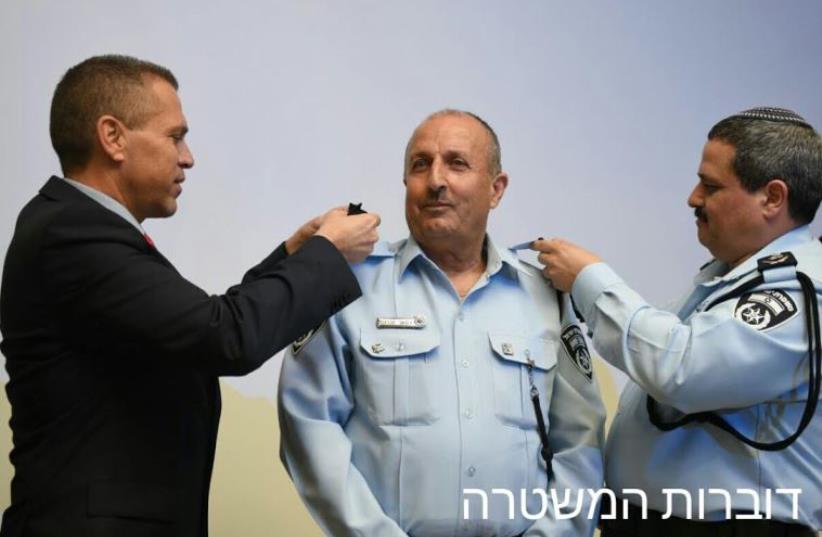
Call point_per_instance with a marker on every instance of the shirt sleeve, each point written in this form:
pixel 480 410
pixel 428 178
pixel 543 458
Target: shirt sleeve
pixel 698 364
pixel 314 403
pixel 576 433
pixel 115 296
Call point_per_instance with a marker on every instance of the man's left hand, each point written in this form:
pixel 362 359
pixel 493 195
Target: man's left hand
pixel 563 261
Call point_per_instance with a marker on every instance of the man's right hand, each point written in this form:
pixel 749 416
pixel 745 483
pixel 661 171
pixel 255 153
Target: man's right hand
pixel 354 236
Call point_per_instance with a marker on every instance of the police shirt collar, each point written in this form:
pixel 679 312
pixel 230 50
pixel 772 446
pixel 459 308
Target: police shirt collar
pixel 496 259
pixel 789 241
pixel 510 259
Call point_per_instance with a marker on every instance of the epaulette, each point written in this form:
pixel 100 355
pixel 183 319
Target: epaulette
pixel 385 249
pixel 531 268
pixel 782 259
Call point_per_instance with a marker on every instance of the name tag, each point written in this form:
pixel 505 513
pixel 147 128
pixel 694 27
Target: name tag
pixel 417 321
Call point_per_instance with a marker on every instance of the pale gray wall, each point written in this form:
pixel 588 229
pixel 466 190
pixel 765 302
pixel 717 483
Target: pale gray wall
pixel 602 109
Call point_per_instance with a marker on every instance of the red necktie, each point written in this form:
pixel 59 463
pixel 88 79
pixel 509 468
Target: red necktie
pixel 148 240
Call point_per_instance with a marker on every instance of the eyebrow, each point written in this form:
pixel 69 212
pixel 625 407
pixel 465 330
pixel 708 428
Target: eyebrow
pixel 181 130
pixel 456 153
pixel 707 178
pixel 417 154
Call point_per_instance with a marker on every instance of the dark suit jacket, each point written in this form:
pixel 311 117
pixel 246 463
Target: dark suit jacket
pixel 113 360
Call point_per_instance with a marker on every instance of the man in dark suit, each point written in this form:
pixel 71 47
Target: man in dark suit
pixel 113 357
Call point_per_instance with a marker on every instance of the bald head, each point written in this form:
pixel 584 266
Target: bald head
pixel 492 142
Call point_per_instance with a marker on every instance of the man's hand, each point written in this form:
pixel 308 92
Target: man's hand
pixel 354 236
pixel 305 232
pixel 563 261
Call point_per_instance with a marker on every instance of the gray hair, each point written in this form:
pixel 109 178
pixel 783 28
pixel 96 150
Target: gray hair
pixel 494 151
pixel 776 146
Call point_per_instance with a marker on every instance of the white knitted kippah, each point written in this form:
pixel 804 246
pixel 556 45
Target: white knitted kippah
pixel 769 113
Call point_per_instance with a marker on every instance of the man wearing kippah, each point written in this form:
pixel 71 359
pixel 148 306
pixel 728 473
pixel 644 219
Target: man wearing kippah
pixel 720 429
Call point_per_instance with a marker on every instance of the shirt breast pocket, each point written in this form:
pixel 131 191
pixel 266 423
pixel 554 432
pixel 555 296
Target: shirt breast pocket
pixel 512 388
pixel 397 380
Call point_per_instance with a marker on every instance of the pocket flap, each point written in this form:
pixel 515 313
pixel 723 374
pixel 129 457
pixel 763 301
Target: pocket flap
pixel 521 349
pixel 393 343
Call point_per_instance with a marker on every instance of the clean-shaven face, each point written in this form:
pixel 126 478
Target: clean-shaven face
pixel 157 156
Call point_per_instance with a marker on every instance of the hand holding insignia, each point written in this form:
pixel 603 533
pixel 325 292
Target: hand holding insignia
pixel 563 261
pixel 353 235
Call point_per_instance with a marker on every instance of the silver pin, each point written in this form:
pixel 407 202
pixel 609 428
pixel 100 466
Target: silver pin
pixel 507 349
pixel 377 348
pixel 417 321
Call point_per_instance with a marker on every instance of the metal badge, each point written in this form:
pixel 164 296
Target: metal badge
pixel 377 348
pixel 417 321
pixel 507 349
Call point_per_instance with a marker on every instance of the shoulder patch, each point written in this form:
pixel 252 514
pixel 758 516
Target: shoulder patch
pixel 574 342
pixel 303 340
pixel 766 309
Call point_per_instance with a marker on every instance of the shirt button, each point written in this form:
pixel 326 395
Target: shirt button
pixel 469 414
pixel 471 471
pixel 465 363
pixel 400 346
pixel 461 316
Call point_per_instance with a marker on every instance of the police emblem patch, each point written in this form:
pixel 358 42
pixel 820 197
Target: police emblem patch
pixel 766 309
pixel 303 340
pixel 574 342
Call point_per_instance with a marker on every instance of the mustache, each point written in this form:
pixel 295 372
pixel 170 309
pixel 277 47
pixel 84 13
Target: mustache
pixel 437 196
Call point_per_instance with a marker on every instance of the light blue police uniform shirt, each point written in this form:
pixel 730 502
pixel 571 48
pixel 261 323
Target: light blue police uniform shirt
pixel 382 429
pixel 722 358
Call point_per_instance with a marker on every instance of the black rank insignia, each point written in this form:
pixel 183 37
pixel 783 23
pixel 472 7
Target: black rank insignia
pixel 784 259
pixel 574 342
pixel 303 340
pixel 765 309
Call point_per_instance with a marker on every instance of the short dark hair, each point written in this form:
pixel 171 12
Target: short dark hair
pixel 494 151
pixel 767 149
pixel 110 84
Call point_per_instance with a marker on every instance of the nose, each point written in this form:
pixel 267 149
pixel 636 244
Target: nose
pixel 186 159
pixel 696 199
pixel 436 176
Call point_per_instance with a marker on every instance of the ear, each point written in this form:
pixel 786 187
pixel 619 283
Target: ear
pixel 775 200
pixel 498 186
pixel 111 136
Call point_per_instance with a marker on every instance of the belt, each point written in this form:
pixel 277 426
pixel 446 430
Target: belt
pixel 655 526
